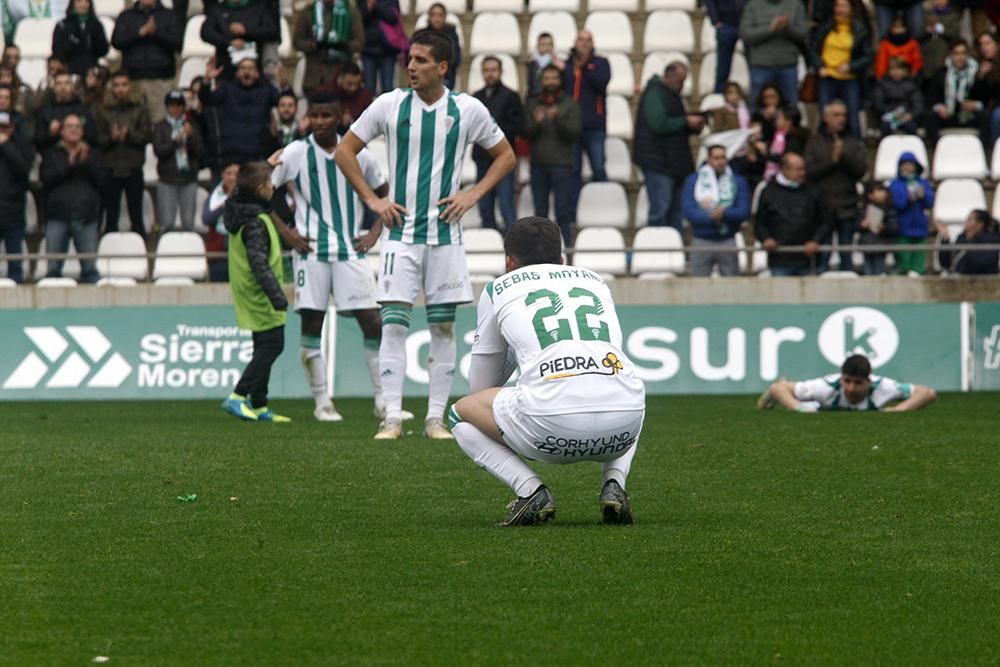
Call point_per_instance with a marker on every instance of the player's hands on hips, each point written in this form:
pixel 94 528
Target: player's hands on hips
pixel 389 212
pixel 275 158
pixel 294 240
pixel 457 205
pixel 365 242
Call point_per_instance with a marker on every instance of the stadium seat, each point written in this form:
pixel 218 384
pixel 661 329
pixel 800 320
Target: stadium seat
pixel 451 18
pixel 468 167
pixel 740 72
pixel 30 214
pixel 523 171
pixel 754 260
pixel 640 215
pixel 484 252
pixel 712 101
pixel 622 78
pixel 109 8
pixel 513 6
pixel 686 5
pixel 453 7
pixel 508 76
pixel 192 266
pixel 113 55
pixel 200 197
pixel 656 62
pixel 650 251
pixel 613 5
pixel 959 156
pixel 995 162
pixel 116 282
pixel 285 48
pixel 149 174
pixel 995 212
pixel 668 30
pixel 954 198
pixel 379 151
pixel 526 204
pixel 495 32
pixel 34 36
pixel 56 282
pixel 33 71
pixel 7 282
pixel 112 262
pixel 612 31
pixel 619 117
pixel 536 6
pixel 173 281
pixel 191 68
pixel 617 162
pixel 194 45
pixel 889 150
pixel 560 24
pixel 600 249
pixel 602 205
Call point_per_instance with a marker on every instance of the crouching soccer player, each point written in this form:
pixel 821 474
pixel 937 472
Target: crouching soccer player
pixel 255 274
pixel 577 397
pixel 854 388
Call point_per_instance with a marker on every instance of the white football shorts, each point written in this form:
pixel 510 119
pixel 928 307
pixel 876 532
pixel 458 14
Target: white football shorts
pixel 440 270
pixel 350 282
pixel 565 438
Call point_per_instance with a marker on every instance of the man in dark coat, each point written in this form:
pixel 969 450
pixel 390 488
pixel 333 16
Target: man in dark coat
pixel 505 106
pixel 17 152
pixel 149 36
pixel 239 29
pixel 244 105
pixel 62 102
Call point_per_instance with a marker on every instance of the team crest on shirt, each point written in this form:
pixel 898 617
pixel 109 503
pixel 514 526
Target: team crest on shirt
pixel 449 122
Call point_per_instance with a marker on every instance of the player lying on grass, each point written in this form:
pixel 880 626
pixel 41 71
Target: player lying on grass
pixel 577 397
pixel 855 388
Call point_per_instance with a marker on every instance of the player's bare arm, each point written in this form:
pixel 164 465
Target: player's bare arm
pixel 291 236
pixel 389 212
pixel 503 163
pixel 367 241
pixel 920 397
pixel 783 392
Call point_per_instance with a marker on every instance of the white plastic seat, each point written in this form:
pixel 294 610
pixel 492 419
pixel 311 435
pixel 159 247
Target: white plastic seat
pixel 535 6
pixel 451 18
pixel 468 167
pixel 513 6
pixel 495 32
pixel 193 265
pixel 740 72
pixel 173 281
pixel 712 101
pixel 508 72
pixel 600 249
pixel 650 251
pixel 285 48
pixel 109 8
pixel 560 24
pixel 668 30
pixel 116 281
pixel 959 156
pixel 33 71
pixel 190 69
pixel 602 205
pixel 640 215
pixel 656 62
pixel 523 170
pixel 7 282
pixel 484 251
pixel 114 259
pixel 453 6
pixel 149 174
pixel 616 5
pixel 619 117
pixel 612 31
pixel 954 198
pixel 378 150
pixel 622 80
pixel 113 55
pixel 995 162
pixel 755 255
pixel 889 150
pixel 194 45
pixel 56 282
pixel 30 214
pixel 34 36
pixel 617 162
pixel 686 5
pixel 996 203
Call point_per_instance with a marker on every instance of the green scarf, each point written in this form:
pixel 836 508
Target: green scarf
pixel 340 23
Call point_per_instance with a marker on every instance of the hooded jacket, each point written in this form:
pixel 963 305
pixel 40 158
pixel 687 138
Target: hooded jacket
pixel 912 216
pixel 79 43
pixel 242 217
pixel 122 157
pixel 153 56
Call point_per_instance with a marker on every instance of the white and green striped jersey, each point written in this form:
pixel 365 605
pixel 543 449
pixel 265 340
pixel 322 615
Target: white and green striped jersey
pixel 327 209
pixel 426 144
pixel 827 394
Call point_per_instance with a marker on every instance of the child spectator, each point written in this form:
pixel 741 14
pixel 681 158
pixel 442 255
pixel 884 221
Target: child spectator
pixel 255 276
pixel 543 56
pixel 897 100
pixel 912 196
pixel 79 38
pixel 212 217
pixel 898 44
pixel 734 114
pixel 178 145
pixel 943 26
pixel 879 225
pixel 789 137
pixel 766 106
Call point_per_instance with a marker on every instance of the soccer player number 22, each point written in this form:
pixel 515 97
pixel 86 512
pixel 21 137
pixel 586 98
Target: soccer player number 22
pixel 586 329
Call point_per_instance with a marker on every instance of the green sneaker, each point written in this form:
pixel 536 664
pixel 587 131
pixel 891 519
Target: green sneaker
pixel 237 406
pixel 266 414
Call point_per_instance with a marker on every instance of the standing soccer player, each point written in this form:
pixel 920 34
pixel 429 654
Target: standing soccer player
pixel 577 397
pixel 427 128
pixel 328 212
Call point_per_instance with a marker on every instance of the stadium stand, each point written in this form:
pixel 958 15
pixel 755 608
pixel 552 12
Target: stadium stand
pixel 650 256
pixel 889 150
pixel 959 156
pixel 602 205
pixel 188 260
pixel 560 24
pixel 668 30
pixel 486 257
pixel 117 256
pixel 602 250
pixel 954 198
pixel 612 31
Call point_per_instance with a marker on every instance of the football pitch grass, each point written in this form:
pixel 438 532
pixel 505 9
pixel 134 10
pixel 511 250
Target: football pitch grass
pixel 759 538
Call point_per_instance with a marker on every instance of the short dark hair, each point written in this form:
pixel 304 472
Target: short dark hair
pixel 712 147
pixel 437 42
pixel 323 97
pixel 120 74
pixel 552 67
pixel 543 34
pixel 492 58
pixel 856 366
pixel 982 217
pixel 672 68
pixel 958 41
pixel 350 69
pixel 534 240
pixel 252 176
pixel 792 113
pixel 288 92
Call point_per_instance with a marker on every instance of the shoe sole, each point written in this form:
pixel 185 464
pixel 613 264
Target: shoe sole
pixel 541 516
pixel 615 512
pixel 438 437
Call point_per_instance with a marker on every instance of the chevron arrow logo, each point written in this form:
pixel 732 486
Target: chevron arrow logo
pixel 991 345
pixel 73 357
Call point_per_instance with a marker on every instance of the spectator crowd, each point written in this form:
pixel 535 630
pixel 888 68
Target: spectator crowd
pixel 903 70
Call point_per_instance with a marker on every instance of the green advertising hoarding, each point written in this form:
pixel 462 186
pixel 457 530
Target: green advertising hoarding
pixel 986 347
pixel 729 349
pixel 174 352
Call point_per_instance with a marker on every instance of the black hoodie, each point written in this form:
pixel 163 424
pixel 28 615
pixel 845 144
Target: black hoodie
pixel 241 217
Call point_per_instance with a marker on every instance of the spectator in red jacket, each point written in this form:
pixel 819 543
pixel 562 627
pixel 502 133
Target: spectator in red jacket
pixel 898 43
pixel 586 80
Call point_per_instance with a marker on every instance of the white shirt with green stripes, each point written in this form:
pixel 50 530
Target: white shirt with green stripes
pixel 327 209
pixel 426 145
pixel 827 394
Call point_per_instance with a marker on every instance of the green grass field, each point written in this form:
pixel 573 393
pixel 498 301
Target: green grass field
pixel 759 538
